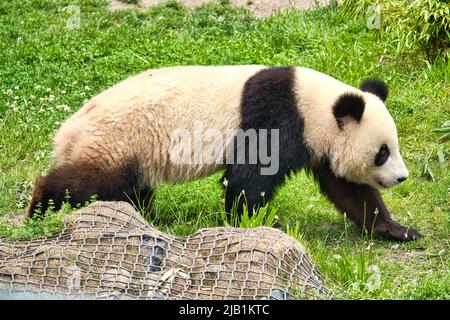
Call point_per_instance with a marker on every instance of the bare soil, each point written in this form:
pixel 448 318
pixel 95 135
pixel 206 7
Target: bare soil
pixel 261 8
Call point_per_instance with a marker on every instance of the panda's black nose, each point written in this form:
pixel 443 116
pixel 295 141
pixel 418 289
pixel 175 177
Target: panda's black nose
pixel 400 180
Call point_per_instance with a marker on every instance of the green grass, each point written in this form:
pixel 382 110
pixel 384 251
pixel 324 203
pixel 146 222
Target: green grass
pixel 47 71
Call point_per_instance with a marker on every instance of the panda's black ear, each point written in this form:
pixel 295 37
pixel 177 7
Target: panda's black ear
pixel 376 86
pixel 348 105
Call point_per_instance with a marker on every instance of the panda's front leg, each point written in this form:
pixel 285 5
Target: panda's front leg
pixel 363 204
pixel 245 185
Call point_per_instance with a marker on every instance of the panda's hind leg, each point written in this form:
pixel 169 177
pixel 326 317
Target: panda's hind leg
pixel 78 183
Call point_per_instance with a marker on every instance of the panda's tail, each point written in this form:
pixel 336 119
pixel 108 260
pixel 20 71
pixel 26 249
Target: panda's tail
pixel 78 183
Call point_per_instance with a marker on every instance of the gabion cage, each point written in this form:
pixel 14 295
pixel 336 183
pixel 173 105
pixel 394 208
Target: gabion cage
pixel 108 251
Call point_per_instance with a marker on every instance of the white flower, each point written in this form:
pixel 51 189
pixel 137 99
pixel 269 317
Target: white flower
pixel 16 88
pixel 374 280
pixel 225 182
pixel 263 194
pixel 15 109
pixel 37 87
pixel 48 90
pixel 243 192
pixel 16 98
pixel 63 107
pixel 63 91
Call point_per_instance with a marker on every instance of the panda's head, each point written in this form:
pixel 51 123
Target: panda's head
pixel 366 147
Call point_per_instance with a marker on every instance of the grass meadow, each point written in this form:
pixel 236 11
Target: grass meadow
pixel 52 60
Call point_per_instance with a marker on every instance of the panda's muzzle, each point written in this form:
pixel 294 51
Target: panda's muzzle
pixel 381 184
pixel 398 181
pixel 401 179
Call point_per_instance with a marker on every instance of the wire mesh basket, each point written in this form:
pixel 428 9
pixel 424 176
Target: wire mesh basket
pixel 108 251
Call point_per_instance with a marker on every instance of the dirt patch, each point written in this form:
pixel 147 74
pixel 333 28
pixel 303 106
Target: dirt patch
pixel 261 8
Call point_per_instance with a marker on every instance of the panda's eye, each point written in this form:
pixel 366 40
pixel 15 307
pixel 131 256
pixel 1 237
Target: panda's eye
pixel 382 155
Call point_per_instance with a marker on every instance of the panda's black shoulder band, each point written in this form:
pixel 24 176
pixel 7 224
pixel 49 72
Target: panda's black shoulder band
pixel 269 102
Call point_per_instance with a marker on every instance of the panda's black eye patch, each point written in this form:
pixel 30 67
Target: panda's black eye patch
pixel 382 155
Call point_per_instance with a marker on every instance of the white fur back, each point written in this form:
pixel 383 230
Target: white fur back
pixel 138 115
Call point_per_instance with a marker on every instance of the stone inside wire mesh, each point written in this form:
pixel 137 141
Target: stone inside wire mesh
pixel 108 251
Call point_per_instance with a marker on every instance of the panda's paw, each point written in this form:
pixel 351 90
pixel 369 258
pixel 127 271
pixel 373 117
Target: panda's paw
pixel 394 231
pixel 409 234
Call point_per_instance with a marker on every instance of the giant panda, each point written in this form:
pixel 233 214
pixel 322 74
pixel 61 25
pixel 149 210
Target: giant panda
pixel 119 145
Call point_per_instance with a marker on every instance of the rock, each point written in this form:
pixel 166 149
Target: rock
pixel 108 251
